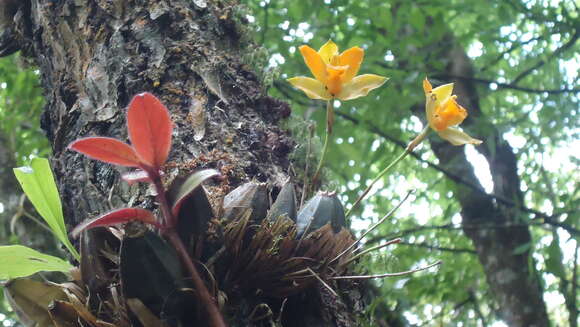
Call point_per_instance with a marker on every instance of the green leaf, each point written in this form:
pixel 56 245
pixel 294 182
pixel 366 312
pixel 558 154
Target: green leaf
pixel 522 248
pixel 20 261
pixel 38 183
pixel 554 259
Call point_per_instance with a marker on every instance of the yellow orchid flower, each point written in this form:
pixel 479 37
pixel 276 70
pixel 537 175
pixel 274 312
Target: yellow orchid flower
pixel 335 74
pixel 443 112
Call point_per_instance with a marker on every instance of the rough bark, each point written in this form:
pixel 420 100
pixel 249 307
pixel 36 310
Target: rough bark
pixel 510 272
pixel 95 55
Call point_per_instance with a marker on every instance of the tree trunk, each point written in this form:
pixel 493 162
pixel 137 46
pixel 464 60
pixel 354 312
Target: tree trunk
pixel 504 252
pixel 95 55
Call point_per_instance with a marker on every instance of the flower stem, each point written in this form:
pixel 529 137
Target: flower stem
pixel 402 156
pixel 213 314
pixel 329 123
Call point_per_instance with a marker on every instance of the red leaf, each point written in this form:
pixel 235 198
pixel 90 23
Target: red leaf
pixel 150 129
pixel 108 150
pixel 115 217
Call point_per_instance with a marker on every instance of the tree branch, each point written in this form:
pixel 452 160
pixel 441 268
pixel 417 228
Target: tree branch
pixel 438 248
pixel 542 62
pixel 500 85
pixel 506 85
pixel 514 47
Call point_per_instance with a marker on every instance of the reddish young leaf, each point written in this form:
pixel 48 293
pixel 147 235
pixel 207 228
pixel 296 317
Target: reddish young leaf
pixel 115 217
pixel 108 150
pixel 150 129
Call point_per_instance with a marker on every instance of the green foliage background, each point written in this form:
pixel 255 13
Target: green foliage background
pixel 518 50
pixel 21 137
pixel 526 58
pixel 20 110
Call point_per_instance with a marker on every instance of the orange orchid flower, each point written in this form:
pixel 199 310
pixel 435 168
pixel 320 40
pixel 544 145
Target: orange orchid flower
pixel 443 112
pixel 335 74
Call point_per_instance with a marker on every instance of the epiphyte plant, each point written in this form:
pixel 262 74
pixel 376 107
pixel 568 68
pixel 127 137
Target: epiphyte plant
pixel 150 130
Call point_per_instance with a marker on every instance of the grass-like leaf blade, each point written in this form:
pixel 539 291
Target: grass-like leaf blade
pixel 19 261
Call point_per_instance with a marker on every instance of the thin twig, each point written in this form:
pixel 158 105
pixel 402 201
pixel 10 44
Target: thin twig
pixel 439 248
pixel 322 282
pixel 402 273
pixel 385 217
pixel 374 248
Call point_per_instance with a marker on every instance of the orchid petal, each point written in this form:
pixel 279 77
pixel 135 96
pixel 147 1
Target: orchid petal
pixel 352 58
pixel 327 51
pixel 313 88
pixel 442 93
pixel 457 137
pixel 314 61
pixel 430 109
pixel 361 86
pixel 427 87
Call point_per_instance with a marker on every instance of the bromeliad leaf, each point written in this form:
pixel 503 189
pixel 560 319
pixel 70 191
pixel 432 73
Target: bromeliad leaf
pixel 38 184
pixel 116 217
pixel 285 204
pixel 150 129
pixel 108 150
pixel 182 191
pixel 21 261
